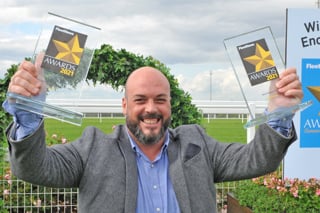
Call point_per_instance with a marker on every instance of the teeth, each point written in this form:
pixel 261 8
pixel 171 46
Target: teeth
pixel 150 121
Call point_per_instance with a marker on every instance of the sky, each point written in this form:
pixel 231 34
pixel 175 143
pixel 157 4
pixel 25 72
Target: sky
pixel 186 35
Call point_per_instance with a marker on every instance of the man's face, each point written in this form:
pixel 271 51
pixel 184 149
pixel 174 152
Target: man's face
pixel 147 108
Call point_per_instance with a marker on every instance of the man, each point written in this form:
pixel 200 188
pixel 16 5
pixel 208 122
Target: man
pixel 144 166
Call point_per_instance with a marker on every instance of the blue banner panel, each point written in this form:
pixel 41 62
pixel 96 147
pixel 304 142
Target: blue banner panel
pixel 310 117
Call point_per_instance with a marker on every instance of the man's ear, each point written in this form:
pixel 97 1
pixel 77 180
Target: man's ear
pixel 124 106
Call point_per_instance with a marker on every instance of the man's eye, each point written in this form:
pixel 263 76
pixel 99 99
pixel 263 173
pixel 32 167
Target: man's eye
pixel 140 100
pixel 161 100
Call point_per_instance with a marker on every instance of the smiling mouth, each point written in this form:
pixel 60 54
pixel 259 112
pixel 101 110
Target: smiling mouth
pixel 151 118
pixel 150 121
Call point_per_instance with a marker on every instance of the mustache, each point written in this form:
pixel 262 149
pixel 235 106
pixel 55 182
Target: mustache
pixel 150 116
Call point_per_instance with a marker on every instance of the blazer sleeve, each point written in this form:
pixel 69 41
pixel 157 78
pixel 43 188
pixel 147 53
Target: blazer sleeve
pixel 236 161
pixel 55 166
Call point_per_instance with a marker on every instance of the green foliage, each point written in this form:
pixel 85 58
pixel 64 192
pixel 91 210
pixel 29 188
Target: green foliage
pixel 2 208
pixel 4 117
pixel 39 199
pixel 271 193
pixel 19 196
pixel 113 67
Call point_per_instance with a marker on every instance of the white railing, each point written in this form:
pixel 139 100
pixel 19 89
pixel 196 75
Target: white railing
pixel 114 106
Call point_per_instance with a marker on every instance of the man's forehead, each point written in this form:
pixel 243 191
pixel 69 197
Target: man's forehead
pixel 147 75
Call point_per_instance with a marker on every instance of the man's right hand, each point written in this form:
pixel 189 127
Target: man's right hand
pixel 25 81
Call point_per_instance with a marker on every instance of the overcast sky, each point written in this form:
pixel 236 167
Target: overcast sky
pixel 186 35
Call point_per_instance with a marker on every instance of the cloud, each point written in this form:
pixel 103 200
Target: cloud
pixel 181 32
pixel 217 84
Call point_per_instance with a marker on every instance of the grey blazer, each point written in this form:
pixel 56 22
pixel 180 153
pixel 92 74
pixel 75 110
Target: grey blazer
pixel 104 169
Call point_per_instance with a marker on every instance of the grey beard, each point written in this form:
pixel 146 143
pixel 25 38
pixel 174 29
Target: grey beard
pixel 147 139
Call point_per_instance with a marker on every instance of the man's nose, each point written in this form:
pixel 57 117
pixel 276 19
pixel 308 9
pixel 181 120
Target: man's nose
pixel 151 106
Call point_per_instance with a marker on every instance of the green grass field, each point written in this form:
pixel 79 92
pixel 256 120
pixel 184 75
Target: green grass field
pixel 224 130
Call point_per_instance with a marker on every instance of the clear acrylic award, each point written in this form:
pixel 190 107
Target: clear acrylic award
pixel 63 54
pixel 257 63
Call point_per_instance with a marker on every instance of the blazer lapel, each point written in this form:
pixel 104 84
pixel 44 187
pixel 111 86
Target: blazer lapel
pixel 177 176
pixel 131 173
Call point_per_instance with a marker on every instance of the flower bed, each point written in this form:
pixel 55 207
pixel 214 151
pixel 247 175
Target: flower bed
pixel 271 193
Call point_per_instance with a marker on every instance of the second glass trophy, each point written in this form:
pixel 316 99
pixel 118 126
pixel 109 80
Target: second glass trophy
pixel 257 64
pixel 62 56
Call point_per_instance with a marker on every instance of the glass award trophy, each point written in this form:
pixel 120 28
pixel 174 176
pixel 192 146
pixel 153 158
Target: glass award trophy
pixel 62 56
pixel 257 63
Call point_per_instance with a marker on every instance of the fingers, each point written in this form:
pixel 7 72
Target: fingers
pixel 289 90
pixel 289 84
pixel 24 81
pixel 287 77
pixel 38 63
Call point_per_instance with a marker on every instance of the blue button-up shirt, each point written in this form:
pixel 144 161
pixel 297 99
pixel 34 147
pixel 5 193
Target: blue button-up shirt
pixel 155 190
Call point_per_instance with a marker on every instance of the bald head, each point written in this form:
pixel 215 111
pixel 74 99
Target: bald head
pixel 147 77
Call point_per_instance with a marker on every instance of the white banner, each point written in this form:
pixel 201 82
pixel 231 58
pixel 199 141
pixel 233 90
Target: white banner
pixel 303 52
